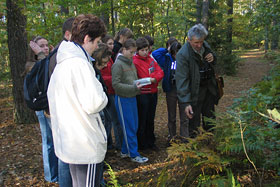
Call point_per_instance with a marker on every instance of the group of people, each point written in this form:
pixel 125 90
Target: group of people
pixel 99 83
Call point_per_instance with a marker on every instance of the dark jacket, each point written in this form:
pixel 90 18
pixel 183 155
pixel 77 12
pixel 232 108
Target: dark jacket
pixel 187 74
pixel 116 49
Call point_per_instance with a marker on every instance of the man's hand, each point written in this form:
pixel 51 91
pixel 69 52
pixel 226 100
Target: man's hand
pixel 189 111
pixel 35 47
pixel 209 58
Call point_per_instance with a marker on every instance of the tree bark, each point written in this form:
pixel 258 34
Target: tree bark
pixel 17 44
pixel 275 32
pixel 205 13
pixel 275 38
pixel 167 15
pixel 112 18
pixel 229 26
pixel 186 27
pixel 105 14
pixel 266 41
pixel 198 10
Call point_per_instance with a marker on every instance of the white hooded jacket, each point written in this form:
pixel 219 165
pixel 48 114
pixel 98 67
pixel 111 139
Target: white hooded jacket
pixel 75 99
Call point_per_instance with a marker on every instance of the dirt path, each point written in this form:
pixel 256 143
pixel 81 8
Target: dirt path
pixel 251 70
pixel 20 145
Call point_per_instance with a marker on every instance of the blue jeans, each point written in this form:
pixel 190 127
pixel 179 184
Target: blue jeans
pixel 54 169
pixel 114 121
pixel 50 160
pixel 64 174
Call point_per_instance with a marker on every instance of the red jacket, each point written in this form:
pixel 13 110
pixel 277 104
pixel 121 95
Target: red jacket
pixel 107 77
pixel 143 65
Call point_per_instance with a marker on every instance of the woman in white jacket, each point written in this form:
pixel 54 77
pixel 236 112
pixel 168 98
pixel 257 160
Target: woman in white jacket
pixel 75 99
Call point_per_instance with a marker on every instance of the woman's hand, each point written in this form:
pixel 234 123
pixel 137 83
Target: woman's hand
pixel 51 48
pixel 35 47
pixel 138 85
pixel 153 80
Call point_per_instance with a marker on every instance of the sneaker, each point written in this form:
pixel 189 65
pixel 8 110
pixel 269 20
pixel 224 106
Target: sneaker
pixel 139 159
pixel 124 155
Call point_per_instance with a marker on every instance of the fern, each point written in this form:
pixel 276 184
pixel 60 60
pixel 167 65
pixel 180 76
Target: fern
pixel 113 179
pixel 163 178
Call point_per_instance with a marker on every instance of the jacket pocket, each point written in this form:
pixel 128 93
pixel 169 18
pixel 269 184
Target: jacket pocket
pixel 99 125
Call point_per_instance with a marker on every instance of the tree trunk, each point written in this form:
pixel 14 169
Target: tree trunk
pixel 17 43
pixel 167 15
pixel 112 18
pixel 229 27
pixel 44 15
pixel 64 10
pixel 266 47
pixel 105 14
pixel 275 32
pixel 198 10
pixel 205 13
pixel 275 38
pixel 186 27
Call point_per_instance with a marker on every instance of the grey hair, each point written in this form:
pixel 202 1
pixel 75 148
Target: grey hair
pixel 198 31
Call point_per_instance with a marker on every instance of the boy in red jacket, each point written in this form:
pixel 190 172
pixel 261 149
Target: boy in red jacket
pixel 146 67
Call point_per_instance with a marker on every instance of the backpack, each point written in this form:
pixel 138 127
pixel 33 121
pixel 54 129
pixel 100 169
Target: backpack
pixel 36 84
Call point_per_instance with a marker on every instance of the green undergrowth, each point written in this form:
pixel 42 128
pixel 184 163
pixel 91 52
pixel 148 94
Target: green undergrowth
pixel 244 139
pixel 243 148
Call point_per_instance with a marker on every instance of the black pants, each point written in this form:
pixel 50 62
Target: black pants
pixel 205 107
pixel 146 104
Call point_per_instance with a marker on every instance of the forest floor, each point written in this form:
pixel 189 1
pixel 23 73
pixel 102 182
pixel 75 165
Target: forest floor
pixel 20 145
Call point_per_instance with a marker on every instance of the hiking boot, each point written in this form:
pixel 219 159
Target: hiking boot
pixel 139 159
pixel 124 155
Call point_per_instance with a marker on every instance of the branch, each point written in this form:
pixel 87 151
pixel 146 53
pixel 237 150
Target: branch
pixel 131 4
pixel 245 151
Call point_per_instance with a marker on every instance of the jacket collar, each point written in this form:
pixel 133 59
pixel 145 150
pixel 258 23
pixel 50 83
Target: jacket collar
pixel 141 57
pixel 124 59
pixel 193 54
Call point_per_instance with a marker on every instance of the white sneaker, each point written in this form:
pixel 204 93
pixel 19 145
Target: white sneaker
pixel 139 159
pixel 124 155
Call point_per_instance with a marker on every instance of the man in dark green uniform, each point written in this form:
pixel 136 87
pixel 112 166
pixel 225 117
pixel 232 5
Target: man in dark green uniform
pixel 195 78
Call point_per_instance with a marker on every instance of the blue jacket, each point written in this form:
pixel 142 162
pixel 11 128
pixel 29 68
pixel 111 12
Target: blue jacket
pixel 159 55
pixel 165 60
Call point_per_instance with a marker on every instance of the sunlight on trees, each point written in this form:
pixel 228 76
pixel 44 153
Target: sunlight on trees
pixel 253 24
